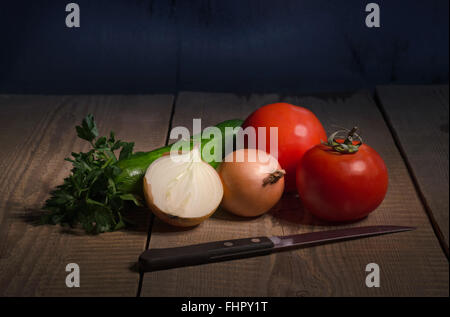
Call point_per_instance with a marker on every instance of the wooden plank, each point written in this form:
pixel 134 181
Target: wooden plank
pixel 411 263
pixel 419 118
pixel 37 132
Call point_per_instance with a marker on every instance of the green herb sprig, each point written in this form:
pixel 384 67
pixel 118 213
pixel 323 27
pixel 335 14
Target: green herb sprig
pixel 89 195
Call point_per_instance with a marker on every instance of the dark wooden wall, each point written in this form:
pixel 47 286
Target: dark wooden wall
pixel 143 46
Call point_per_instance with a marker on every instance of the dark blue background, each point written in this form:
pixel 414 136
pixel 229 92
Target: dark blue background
pixel 144 46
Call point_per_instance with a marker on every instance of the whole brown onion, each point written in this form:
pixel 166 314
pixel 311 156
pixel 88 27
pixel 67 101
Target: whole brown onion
pixel 253 182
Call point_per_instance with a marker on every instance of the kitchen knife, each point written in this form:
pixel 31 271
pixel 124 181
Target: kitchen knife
pixel 160 259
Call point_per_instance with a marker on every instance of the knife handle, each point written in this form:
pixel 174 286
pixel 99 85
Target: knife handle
pixel 161 259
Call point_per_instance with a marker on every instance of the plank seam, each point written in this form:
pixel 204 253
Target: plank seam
pixel 152 216
pixel 437 231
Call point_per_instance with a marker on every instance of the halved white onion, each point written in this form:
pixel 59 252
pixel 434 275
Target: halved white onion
pixel 182 190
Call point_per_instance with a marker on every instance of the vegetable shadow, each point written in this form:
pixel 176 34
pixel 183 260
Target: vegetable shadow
pixel 137 218
pixel 161 226
pixel 32 216
pixel 222 214
pixel 290 211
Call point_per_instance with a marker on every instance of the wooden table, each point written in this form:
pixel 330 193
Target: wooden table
pixel 407 125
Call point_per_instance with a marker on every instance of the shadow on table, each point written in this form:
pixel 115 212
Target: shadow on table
pixel 289 211
pixel 222 214
pixel 137 218
pixel 160 226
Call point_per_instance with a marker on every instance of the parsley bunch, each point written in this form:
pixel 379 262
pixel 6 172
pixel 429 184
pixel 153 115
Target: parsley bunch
pixel 89 196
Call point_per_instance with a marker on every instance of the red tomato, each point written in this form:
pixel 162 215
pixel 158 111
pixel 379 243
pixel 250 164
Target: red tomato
pixel 298 131
pixel 341 186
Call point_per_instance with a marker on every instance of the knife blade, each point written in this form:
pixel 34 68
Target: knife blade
pixel 156 259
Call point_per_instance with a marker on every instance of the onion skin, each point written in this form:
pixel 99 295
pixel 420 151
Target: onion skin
pixel 171 220
pixel 243 185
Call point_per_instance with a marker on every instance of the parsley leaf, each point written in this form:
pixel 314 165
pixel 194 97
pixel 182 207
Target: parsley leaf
pixel 89 196
pixel 88 129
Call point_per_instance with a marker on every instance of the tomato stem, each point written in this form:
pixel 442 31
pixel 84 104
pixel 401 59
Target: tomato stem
pixel 351 143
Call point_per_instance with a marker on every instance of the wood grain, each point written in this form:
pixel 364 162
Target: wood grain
pixel 36 134
pixel 411 263
pixel 419 118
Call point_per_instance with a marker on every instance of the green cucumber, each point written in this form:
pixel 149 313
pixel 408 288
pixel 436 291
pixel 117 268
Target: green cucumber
pixel 133 168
